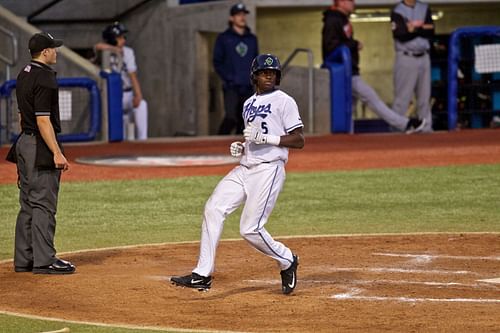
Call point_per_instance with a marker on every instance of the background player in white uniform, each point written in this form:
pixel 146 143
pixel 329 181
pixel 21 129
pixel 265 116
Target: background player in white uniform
pixel 133 103
pixel 272 125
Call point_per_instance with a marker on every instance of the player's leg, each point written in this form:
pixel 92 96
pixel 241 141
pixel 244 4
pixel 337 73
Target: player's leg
pixel 141 120
pixel 231 111
pixel 227 196
pixel 423 92
pixel 263 188
pixel 405 80
pixel 367 95
pixel 127 105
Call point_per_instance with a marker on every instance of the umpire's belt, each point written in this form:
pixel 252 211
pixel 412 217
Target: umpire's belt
pixel 413 54
pixel 30 132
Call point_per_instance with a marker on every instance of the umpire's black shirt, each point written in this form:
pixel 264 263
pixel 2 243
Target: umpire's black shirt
pixel 37 95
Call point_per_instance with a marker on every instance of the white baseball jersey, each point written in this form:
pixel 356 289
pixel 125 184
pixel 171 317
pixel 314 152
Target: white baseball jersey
pixel 128 66
pixel 275 113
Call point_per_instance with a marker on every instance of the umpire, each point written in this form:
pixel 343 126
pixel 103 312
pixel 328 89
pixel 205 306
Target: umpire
pixel 40 160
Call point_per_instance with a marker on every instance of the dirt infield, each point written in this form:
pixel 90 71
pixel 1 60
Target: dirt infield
pixel 403 283
pixel 392 283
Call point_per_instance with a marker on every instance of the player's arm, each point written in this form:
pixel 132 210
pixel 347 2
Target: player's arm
pixel 101 46
pixel 47 132
pixel 294 139
pixel 136 88
pixel 427 29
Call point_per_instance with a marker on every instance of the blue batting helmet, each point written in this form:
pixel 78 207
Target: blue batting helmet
pixel 265 61
pixel 112 31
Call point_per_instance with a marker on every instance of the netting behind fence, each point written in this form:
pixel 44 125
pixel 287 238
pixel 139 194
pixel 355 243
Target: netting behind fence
pixel 473 68
pixel 79 107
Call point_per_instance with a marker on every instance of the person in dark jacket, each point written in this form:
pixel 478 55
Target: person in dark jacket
pixel 234 51
pixel 337 30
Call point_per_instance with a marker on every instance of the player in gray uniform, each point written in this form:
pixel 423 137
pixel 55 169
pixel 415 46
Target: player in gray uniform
pixel 272 125
pixel 337 30
pixel 412 27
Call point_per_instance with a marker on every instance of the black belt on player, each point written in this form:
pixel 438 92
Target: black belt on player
pixel 127 89
pixel 413 54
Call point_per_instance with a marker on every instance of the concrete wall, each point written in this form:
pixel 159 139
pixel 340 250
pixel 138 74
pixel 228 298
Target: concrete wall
pixel 173 47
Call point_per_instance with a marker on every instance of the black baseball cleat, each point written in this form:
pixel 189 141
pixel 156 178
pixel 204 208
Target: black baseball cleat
pixel 289 277
pixel 58 267
pixel 415 125
pixel 193 280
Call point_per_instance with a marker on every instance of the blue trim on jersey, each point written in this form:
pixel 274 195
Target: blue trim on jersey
pixel 288 130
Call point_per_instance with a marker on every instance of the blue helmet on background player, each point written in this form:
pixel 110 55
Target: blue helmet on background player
pixel 265 61
pixel 112 31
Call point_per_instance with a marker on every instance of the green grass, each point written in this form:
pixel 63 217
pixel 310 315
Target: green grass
pixel 113 213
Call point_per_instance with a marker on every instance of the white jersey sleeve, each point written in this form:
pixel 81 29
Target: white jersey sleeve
pixel 275 113
pixel 129 66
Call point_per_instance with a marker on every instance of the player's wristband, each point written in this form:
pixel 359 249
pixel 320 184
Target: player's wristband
pixel 273 140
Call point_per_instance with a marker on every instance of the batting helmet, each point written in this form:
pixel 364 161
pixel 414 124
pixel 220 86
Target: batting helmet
pixel 112 31
pixel 265 61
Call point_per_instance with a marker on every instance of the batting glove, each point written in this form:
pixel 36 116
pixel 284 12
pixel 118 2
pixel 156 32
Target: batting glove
pixel 254 134
pixel 236 148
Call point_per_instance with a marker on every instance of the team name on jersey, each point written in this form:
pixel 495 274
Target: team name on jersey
pixel 251 111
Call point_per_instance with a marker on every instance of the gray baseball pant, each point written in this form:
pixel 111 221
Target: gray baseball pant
pixel 412 75
pixel 362 91
pixel 36 223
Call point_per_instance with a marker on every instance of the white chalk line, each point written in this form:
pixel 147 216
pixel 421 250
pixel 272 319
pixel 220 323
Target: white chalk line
pixel 397 270
pixel 373 282
pixel 124 326
pixel 428 257
pixel 348 296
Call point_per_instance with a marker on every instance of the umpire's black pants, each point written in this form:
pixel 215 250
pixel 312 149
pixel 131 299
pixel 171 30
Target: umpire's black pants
pixel 36 223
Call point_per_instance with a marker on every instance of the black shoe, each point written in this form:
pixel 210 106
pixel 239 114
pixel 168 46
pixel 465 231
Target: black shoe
pixel 58 267
pixel 289 277
pixel 23 269
pixel 415 125
pixel 193 280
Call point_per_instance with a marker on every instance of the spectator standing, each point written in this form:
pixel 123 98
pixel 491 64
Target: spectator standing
pixel 234 50
pixel 337 30
pixel 412 27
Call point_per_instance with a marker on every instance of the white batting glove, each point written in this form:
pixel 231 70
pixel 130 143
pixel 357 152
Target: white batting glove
pixel 236 148
pixel 254 134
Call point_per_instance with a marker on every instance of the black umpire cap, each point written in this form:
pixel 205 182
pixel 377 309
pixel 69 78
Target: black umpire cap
pixel 43 40
pixel 238 8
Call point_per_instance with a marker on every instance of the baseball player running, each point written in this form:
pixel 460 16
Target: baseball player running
pixel 272 125
pixel 133 103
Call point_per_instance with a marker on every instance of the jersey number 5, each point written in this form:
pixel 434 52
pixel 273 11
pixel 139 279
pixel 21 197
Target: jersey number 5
pixel 263 125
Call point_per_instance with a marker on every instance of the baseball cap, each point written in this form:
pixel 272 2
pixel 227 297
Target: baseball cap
pixel 238 8
pixel 43 40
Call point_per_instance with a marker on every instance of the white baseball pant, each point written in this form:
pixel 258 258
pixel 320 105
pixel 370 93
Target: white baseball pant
pixel 258 187
pixel 138 114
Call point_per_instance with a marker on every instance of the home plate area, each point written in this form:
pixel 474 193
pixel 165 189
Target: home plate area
pixel 421 282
